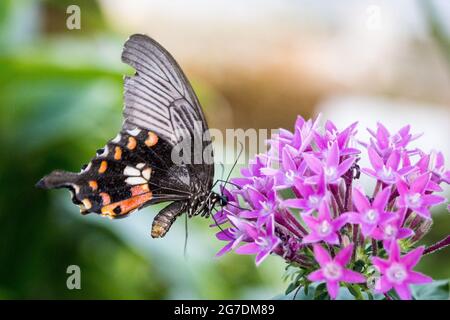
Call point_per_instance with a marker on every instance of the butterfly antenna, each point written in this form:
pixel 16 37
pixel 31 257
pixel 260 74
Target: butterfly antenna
pixel 218 225
pixel 223 170
pixel 234 165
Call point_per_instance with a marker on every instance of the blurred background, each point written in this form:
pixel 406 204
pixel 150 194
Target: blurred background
pixel 253 64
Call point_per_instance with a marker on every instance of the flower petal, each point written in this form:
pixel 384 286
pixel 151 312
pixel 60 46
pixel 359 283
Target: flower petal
pixel 352 277
pixel 225 249
pixel 345 166
pixel 420 183
pixel 316 276
pixel 261 256
pixel 333 289
pixel 313 163
pixel 332 238
pixel 360 200
pixel 321 255
pixel 249 248
pixel 412 258
pixel 383 285
pixel 333 155
pixel 418 278
pixel 393 160
pixel 343 257
pixel 381 199
pixel 375 159
pixel 403 291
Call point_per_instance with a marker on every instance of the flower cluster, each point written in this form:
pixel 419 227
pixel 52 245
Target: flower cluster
pixel 301 201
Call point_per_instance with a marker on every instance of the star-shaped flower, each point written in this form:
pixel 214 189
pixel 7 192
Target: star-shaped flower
pixel 332 168
pixel 323 228
pixel 388 172
pixel 369 216
pixel 414 197
pixel 264 240
pixel 396 272
pixel 333 271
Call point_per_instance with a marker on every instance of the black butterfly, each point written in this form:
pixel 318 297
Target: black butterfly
pixel 136 168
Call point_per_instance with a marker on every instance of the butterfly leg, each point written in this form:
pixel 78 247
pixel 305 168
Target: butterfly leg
pixel 166 217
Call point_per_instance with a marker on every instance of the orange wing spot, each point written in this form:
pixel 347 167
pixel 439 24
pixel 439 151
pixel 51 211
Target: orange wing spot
pixel 93 184
pixel 125 206
pixel 103 167
pixel 131 143
pixel 86 203
pixel 117 153
pixel 151 140
pixel 106 199
pixel 139 189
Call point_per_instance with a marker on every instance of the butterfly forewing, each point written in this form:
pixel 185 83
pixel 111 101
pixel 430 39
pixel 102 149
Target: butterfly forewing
pixel 136 168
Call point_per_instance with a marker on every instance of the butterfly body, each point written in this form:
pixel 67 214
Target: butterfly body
pixel 139 167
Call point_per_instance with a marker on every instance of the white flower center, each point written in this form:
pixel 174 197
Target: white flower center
pixel 266 208
pixel 330 172
pixel 371 216
pixel 313 200
pixel 390 231
pixel 262 242
pixel 290 175
pixel 332 271
pixel 396 273
pixel 386 173
pixel 324 228
pixel 414 200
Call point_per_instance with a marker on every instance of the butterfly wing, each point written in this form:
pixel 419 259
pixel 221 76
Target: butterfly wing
pixel 159 97
pixel 136 168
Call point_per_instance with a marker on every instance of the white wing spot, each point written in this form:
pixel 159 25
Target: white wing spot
pixel 146 173
pixel 117 138
pixel 105 152
pixel 135 180
pixel 134 132
pixel 87 168
pixel 130 171
pixel 140 165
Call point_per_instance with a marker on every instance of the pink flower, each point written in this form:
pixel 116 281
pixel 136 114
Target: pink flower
pixel 396 272
pixel 310 197
pixel 369 216
pixel 414 197
pixel 323 228
pixel 332 168
pixel 234 235
pixel 264 241
pixel 333 271
pixel 392 229
pixel 386 172
pixel 385 143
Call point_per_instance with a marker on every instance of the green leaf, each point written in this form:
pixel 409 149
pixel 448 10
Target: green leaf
pixel 437 290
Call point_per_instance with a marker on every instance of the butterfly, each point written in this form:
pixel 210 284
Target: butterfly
pixel 138 167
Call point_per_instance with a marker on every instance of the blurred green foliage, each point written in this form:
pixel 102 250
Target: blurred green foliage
pixel 61 99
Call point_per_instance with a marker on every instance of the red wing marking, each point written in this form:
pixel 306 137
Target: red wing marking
pixel 93 184
pixel 103 167
pixel 125 206
pixel 131 143
pixel 106 199
pixel 117 153
pixel 151 140
pixel 140 189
